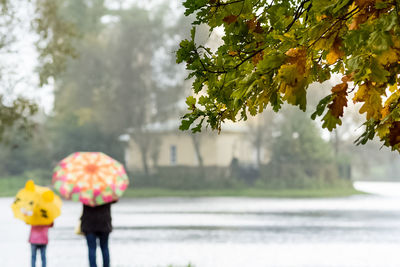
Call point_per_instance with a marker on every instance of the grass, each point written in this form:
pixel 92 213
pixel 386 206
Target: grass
pixel 9 186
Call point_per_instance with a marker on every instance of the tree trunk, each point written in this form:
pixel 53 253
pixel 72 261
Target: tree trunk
pixel 196 145
pixel 143 153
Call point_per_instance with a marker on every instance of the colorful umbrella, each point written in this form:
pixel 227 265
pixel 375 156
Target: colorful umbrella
pixel 36 205
pixel 92 178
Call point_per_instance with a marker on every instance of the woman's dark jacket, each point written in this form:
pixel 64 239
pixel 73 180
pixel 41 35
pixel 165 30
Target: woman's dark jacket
pixel 96 219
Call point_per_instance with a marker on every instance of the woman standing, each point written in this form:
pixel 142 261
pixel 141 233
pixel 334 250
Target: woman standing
pixel 96 224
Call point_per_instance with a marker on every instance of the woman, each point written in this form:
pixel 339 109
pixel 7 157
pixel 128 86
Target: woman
pixel 96 224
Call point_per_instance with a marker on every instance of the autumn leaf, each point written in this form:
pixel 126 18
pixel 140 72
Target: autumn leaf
pixel 257 58
pixel 289 74
pixel 385 111
pixel 372 104
pixel 297 57
pixel 230 19
pixel 339 88
pixel 393 98
pixel 339 100
pixel 364 3
pixel 394 136
pixel 383 130
pixel 332 57
pixel 302 42
pixel 335 52
pixel 388 57
pixel 359 19
pixel 359 96
pixel 296 53
pixel 251 24
pixel 233 53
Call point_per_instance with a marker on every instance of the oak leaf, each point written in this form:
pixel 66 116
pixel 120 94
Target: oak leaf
pixel 230 19
pixel 372 105
pixel 388 57
pixel 339 101
pixel 394 136
pixel 335 52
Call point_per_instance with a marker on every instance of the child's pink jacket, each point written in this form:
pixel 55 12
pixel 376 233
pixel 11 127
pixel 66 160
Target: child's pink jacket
pixel 39 234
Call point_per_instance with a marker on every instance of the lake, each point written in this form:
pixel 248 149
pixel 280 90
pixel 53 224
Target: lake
pixel 362 231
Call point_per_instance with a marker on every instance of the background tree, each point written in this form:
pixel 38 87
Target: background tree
pixel 54 45
pixel 273 50
pixel 299 155
pixel 124 80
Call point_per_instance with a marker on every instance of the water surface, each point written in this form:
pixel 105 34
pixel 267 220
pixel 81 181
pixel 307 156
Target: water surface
pixel 362 231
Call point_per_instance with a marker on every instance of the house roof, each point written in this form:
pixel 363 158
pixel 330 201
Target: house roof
pixel 173 126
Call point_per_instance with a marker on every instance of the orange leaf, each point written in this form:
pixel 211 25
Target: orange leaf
pixel 230 19
pixel 257 58
pixel 335 53
pixel 347 78
pixel 340 100
pixel 251 24
pixel 332 57
pixel 394 136
pixel 338 104
pixel 340 87
pixel 385 111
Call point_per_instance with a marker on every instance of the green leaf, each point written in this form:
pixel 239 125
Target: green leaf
pixel 330 122
pixel 321 106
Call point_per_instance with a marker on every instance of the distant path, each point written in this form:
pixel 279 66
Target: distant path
pixel 389 189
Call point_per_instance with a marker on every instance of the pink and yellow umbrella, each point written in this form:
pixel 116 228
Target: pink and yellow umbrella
pixel 92 178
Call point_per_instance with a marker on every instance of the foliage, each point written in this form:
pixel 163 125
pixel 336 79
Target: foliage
pixel 15 117
pixel 117 84
pixel 54 44
pixel 68 135
pixel 299 141
pixel 273 50
pixel 300 158
pixel 20 154
pixel 56 36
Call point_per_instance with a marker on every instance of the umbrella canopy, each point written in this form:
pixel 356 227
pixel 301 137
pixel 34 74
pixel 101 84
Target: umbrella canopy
pixel 36 205
pixel 92 178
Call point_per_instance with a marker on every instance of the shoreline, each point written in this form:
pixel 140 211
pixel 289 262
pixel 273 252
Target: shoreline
pixel 10 186
pixel 245 192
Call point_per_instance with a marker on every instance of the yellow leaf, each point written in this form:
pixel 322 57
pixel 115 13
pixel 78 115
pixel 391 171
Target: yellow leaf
pixel 393 98
pixel 372 104
pixel 296 52
pixel 393 88
pixel 289 74
pixel 332 57
pixel 388 57
pixel 383 130
pixel 359 96
pixel 385 111
pixel 396 42
pixel 320 45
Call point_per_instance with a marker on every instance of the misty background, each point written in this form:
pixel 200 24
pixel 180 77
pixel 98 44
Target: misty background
pixel 123 94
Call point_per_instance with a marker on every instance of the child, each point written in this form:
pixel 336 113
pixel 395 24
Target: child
pixel 39 239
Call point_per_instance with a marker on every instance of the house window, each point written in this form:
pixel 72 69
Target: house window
pixel 173 155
